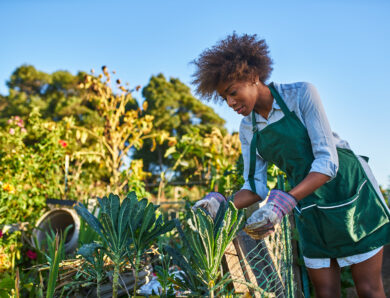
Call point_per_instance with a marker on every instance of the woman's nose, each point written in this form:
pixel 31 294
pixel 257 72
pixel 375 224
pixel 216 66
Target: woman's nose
pixel 230 101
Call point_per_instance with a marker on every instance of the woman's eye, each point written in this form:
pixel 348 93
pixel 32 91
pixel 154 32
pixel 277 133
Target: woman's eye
pixel 233 93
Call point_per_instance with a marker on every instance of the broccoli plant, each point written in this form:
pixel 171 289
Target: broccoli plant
pixel 204 243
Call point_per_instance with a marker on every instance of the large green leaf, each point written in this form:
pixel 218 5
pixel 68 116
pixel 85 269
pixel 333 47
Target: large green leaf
pixel 149 217
pixel 160 230
pixel 110 232
pixel 87 251
pixel 114 205
pixel 122 221
pixel 89 218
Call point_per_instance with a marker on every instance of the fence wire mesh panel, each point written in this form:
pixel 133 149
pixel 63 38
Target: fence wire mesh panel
pixel 261 268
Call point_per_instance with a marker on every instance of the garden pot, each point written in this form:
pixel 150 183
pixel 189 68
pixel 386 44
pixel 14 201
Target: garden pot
pixel 58 220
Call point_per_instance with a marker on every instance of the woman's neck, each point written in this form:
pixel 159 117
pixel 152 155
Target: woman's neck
pixel 264 101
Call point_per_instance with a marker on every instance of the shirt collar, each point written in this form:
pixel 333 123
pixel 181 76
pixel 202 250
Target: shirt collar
pixel 260 118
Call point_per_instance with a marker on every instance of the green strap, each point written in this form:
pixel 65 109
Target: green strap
pixel 279 99
pixel 253 146
pixel 252 164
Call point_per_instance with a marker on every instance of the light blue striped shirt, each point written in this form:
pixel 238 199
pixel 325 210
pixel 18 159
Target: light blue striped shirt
pixel 304 100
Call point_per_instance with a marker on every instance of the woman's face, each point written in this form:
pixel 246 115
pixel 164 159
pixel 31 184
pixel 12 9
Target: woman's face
pixel 240 96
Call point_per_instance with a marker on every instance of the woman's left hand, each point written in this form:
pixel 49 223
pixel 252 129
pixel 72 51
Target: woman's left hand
pixel 261 223
pixel 211 203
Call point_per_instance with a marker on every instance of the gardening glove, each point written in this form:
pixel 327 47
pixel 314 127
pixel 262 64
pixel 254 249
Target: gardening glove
pixel 211 203
pixel 261 223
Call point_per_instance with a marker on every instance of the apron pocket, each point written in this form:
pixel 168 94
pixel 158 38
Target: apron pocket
pixel 349 220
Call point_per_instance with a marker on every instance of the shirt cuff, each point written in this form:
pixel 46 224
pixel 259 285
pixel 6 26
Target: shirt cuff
pixel 324 166
pixel 261 189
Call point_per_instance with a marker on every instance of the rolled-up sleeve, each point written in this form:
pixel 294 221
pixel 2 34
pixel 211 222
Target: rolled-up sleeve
pixel 317 125
pixel 260 175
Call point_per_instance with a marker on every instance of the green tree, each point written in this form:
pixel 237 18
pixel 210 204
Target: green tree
pixel 176 113
pixel 56 96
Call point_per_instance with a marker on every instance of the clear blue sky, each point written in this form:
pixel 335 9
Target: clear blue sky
pixel 342 47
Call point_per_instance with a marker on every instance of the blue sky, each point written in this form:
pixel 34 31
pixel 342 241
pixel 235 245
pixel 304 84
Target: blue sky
pixel 342 47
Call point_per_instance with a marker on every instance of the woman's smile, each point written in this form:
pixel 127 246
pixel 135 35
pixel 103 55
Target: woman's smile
pixel 239 110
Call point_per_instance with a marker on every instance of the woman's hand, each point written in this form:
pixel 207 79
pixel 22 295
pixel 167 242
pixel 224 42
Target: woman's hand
pixel 211 203
pixel 280 203
pixel 261 223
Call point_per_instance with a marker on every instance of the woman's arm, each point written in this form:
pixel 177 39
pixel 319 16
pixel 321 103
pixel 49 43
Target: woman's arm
pixel 325 164
pixel 244 198
pixel 326 160
pixel 308 185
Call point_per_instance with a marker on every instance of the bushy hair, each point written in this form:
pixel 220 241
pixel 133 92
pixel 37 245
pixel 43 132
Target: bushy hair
pixel 235 58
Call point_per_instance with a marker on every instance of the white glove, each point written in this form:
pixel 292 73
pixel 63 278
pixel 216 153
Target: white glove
pixel 211 203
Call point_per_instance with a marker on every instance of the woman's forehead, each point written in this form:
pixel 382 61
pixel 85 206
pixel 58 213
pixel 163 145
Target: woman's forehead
pixel 224 87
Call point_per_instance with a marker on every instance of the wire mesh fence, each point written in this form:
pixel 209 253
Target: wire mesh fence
pixel 262 268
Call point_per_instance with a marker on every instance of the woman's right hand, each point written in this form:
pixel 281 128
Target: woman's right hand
pixel 211 203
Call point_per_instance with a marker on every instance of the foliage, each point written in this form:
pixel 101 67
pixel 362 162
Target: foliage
pixel 55 95
pixel 164 276
pixel 112 228
pixel 346 280
pixel 204 243
pixel 386 194
pixel 126 230
pixel 213 158
pixel 57 254
pixel 93 268
pixel 145 227
pixel 124 128
pixel 87 235
pixel 176 112
pixel 30 163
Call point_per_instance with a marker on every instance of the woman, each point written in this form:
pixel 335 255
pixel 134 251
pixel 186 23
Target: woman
pixel 341 215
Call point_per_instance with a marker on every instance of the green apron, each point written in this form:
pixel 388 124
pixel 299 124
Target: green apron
pixel 343 217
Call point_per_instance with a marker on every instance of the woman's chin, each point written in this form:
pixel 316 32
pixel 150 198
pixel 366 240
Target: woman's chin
pixel 245 113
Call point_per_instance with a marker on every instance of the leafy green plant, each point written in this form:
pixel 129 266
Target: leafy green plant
pixel 56 255
pixel 94 265
pixel 204 243
pixel 164 276
pixel 126 230
pixel 112 227
pixel 144 227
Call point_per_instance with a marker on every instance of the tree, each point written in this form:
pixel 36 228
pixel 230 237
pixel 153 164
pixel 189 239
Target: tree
pixel 124 129
pixel 55 95
pixel 176 112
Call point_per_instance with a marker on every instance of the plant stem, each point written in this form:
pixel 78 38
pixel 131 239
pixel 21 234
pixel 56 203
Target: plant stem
pixel 98 287
pixel 211 288
pixel 115 281
pixel 137 261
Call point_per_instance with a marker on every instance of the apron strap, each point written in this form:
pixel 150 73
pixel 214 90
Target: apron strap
pixel 252 164
pixel 253 146
pixel 278 99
